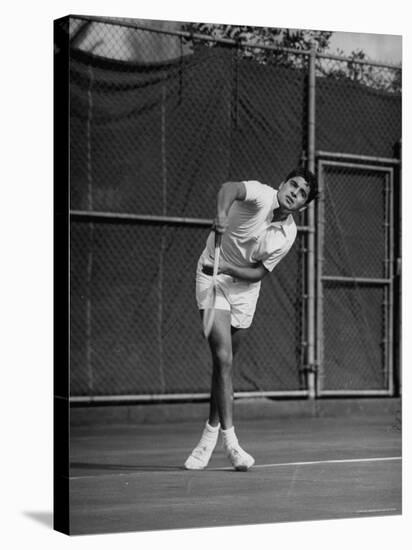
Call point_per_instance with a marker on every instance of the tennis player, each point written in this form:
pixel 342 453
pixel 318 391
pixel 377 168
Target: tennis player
pixel 257 227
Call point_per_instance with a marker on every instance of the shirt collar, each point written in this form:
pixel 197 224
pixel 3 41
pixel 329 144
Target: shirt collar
pixel 281 223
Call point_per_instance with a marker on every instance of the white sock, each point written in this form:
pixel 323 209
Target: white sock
pixel 212 429
pixel 210 433
pixel 229 437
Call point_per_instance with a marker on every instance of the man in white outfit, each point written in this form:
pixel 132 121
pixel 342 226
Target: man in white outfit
pixel 257 227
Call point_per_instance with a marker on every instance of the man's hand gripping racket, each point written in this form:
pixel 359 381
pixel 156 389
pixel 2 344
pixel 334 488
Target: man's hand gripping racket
pixel 209 311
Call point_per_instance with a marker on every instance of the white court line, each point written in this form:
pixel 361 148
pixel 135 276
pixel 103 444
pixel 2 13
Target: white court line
pixel 343 461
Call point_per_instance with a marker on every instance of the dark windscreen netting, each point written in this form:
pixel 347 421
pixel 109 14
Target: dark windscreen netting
pixel 354 118
pixel 354 334
pixel 356 235
pixel 135 328
pixel 267 139
pixel 160 139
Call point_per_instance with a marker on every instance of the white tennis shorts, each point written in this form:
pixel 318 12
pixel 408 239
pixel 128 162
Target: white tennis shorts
pixel 234 295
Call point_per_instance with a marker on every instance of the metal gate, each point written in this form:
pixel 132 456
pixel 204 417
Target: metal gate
pixel 355 290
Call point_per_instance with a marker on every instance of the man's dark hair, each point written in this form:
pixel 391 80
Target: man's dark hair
pixel 310 179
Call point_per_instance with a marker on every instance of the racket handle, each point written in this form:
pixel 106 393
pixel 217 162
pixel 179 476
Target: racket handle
pixel 218 240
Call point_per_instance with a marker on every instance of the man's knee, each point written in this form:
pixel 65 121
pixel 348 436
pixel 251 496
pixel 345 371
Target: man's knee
pixel 223 359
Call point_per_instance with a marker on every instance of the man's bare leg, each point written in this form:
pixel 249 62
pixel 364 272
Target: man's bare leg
pixel 221 393
pixel 222 341
pixel 214 418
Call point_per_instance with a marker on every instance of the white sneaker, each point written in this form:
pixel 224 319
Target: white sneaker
pixel 200 457
pixel 201 454
pixel 240 459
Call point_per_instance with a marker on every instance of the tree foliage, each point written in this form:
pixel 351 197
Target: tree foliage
pixel 265 36
pixel 378 77
pixel 381 78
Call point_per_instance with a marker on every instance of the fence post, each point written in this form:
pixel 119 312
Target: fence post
pixel 311 363
pixel 90 257
pixel 397 270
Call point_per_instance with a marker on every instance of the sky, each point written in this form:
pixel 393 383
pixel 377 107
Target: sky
pixel 384 48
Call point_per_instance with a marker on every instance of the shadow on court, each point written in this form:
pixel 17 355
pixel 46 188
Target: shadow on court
pixel 129 477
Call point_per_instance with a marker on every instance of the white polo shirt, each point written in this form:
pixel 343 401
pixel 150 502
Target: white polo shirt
pixel 251 236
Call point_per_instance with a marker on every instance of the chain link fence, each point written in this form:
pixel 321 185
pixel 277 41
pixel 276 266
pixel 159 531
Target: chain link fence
pixel 356 276
pixel 159 119
pixel 358 107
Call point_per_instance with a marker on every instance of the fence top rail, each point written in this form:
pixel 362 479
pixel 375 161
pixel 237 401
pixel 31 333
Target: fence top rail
pixel 191 35
pixel 361 158
pixel 228 41
pixel 87 215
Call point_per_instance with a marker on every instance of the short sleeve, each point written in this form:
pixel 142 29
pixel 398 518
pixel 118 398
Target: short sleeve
pixel 276 255
pixel 273 259
pixel 258 193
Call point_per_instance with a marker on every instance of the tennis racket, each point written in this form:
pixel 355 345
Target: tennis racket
pixel 209 311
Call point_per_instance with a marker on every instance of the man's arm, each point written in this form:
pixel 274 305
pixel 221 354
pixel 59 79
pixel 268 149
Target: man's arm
pixel 251 274
pixel 229 192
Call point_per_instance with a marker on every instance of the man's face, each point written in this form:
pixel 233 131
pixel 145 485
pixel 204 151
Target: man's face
pixel 293 193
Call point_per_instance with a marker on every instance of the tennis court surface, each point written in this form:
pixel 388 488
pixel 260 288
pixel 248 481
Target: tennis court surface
pixel 128 476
